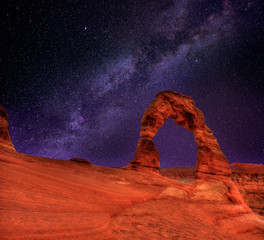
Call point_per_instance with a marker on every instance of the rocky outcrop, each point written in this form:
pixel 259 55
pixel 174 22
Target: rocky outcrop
pixel 80 160
pixel 170 104
pixel 5 140
pixel 184 174
pixel 249 179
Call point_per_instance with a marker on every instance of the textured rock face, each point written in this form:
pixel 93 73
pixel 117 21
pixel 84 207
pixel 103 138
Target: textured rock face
pixel 170 104
pixel 147 155
pixel 81 160
pixel 184 174
pixel 5 140
pixel 43 198
pixel 249 179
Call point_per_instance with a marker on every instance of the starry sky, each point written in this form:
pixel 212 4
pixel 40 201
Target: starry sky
pixel 77 75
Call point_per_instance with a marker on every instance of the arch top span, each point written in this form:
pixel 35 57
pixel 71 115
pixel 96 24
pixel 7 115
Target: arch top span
pixel 170 104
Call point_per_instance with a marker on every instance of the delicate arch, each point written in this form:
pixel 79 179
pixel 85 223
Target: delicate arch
pixel 170 104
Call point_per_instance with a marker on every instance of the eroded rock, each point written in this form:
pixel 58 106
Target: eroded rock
pixel 80 160
pixel 5 140
pixel 249 179
pixel 170 104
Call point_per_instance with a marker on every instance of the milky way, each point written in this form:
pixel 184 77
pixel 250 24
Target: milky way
pixel 78 76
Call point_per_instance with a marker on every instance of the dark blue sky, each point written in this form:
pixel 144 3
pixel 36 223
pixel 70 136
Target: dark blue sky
pixel 77 75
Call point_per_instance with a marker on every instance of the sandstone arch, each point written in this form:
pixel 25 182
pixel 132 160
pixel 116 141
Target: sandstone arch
pixel 170 104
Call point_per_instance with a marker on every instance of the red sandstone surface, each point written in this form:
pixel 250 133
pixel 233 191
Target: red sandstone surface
pixel 52 199
pixel 185 174
pixel 249 179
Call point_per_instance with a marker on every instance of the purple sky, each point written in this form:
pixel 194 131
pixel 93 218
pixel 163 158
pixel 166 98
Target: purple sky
pixel 78 76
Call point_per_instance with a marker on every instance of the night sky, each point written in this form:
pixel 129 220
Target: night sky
pixel 77 76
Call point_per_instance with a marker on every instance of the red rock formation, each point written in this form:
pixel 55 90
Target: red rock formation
pixel 80 160
pixel 5 140
pixel 184 174
pixel 170 104
pixel 147 156
pixel 249 179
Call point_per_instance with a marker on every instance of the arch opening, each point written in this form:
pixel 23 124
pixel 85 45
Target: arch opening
pixel 175 145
